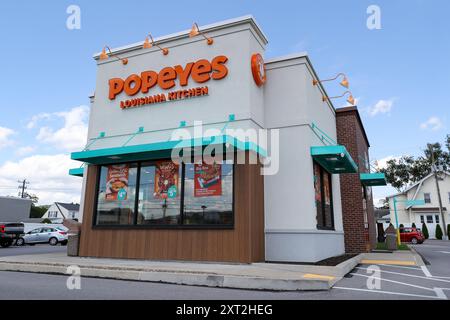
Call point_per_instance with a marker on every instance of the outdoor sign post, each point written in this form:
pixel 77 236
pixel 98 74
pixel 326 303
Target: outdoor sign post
pixel 408 203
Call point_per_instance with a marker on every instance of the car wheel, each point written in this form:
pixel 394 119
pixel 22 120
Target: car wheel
pixel 414 240
pixel 20 242
pixel 53 241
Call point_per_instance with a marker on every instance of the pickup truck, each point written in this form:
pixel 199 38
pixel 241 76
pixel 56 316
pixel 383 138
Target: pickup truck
pixel 10 231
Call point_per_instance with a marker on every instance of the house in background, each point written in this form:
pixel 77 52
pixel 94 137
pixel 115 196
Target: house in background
pixel 13 209
pixel 428 213
pixel 60 211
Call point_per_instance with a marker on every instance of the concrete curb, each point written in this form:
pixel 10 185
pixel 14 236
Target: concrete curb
pixel 184 278
pixel 417 256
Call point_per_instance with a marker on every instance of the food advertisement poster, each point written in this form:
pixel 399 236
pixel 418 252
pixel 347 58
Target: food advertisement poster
pixel 208 180
pixel 166 180
pixel 117 182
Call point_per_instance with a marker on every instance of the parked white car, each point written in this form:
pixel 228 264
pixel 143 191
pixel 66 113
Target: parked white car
pixel 51 235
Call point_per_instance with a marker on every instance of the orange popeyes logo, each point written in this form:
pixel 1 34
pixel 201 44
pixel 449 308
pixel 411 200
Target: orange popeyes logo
pixel 200 71
pixel 258 69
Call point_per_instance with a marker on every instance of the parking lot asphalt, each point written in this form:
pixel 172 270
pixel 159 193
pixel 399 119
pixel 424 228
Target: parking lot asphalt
pixel 36 249
pixel 364 282
pixel 403 282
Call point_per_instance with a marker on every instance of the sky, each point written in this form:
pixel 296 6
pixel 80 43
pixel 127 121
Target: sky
pixel 399 73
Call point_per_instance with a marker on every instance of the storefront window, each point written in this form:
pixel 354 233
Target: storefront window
pixel 116 194
pixel 323 198
pixel 166 194
pixel 159 193
pixel 208 194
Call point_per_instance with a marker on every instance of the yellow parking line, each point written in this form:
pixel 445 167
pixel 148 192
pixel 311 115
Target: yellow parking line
pixel 394 262
pixel 317 276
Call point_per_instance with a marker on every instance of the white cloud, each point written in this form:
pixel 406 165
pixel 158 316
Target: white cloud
pixel 25 150
pixel 382 163
pixel 381 107
pixel 433 124
pixel 48 176
pixel 36 118
pixel 5 134
pixel 72 135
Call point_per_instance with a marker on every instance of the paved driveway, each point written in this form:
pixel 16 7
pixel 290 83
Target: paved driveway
pixel 36 249
pixel 402 282
pixel 388 282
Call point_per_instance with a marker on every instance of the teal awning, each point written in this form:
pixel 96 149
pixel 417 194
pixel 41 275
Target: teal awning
pixel 373 179
pixel 159 150
pixel 335 159
pixel 77 172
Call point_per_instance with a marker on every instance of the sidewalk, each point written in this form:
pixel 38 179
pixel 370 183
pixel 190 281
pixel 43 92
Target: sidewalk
pixel 256 276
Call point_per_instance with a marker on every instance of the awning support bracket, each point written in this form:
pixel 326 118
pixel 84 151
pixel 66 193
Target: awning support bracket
pixel 139 130
pixel 100 136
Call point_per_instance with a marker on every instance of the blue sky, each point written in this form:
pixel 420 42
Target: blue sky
pixel 399 74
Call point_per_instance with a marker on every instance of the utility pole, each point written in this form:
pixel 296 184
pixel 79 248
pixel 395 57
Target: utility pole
pixel 436 179
pixel 23 186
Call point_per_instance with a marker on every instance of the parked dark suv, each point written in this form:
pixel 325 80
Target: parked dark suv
pixel 10 231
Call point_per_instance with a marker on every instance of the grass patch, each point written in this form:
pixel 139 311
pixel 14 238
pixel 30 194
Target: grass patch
pixel 383 246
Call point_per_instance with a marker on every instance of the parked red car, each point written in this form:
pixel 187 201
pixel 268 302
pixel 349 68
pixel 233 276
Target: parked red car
pixel 412 235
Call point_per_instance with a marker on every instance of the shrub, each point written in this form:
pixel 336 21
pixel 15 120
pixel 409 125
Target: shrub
pixel 448 230
pixel 425 231
pixel 439 233
pixel 401 225
pixel 46 220
pixel 413 225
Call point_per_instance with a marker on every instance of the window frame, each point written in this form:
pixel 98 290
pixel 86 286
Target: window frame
pixel 322 193
pixel 161 226
pixel 427 200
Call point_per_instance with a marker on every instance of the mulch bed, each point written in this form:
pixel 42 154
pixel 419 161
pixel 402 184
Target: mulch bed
pixel 334 261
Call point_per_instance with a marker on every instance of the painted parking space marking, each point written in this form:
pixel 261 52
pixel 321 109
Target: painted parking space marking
pixel 426 272
pixel 389 262
pixel 410 275
pixel 447 252
pixel 390 292
pixel 394 281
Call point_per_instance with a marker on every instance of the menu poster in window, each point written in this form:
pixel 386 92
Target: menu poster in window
pixel 208 180
pixel 326 187
pixel 166 179
pixel 318 195
pixel 117 182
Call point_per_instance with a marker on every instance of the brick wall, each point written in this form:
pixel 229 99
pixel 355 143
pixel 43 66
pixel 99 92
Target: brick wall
pixel 351 134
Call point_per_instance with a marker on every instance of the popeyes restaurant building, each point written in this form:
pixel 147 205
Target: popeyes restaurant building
pixel 140 201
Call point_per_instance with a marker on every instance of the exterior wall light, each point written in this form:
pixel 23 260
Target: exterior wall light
pixel 343 83
pixel 195 31
pixel 147 45
pixel 350 98
pixel 104 55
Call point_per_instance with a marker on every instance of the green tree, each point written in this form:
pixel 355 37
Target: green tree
pixel 425 231
pixel 407 169
pixel 439 233
pixel 46 220
pixel 413 225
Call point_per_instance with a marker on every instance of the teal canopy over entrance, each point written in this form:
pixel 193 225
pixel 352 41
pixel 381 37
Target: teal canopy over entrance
pixel 335 159
pixel 373 179
pixel 160 150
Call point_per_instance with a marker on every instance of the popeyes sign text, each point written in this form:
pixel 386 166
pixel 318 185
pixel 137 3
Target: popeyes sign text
pixel 200 71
